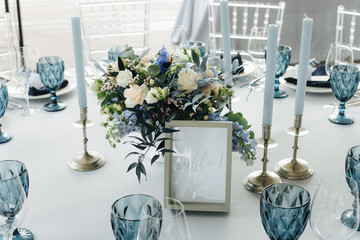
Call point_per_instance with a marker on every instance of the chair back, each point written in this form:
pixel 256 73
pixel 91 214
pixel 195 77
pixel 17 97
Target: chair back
pixel 243 16
pixel 6 44
pixel 347 32
pixel 113 23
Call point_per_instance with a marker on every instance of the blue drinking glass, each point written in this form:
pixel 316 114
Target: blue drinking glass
pixel 4 99
pixel 127 214
pixel 196 45
pixel 283 56
pixel 18 168
pixel 352 166
pixel 284 210
pixel 344 80
pixel 51 71
pixel 116 51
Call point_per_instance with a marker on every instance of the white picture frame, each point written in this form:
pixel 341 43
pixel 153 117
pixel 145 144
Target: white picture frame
pixel 199 172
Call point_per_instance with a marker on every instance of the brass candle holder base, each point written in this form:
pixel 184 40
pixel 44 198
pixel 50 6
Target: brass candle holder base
pixel 295 168
pixel 79 124
pixel 258 180
pixel 85 160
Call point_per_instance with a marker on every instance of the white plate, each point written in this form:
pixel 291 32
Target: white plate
pixel 291 72
pixel 249 72
pixel 16 91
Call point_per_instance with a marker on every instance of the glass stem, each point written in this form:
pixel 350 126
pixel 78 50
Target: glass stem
pixel 342 108
pixel 277 84
pixel 26 94
pixel 53 98
pixel 9 234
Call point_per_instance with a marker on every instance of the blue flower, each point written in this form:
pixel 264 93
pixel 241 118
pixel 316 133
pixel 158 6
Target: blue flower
pixel 163 59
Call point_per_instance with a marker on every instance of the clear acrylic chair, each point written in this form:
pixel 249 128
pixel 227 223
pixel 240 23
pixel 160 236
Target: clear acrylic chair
pixel 6 44
pixel 113 23
pixel 243 16
pixel 347 32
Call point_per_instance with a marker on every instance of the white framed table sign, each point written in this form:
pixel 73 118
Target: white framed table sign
pixel 199 172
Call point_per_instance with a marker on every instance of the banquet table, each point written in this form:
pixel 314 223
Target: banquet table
pixel 67 204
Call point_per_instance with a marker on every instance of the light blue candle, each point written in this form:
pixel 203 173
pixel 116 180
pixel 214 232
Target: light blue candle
pixel 79 61
pixel 271 49
pixel 225 30
pixel 303 64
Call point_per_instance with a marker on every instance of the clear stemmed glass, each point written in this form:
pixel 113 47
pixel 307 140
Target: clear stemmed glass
pixel 344 80
pixel 284 210
pixel 127 214
pixel 256 48
pixel 335 208
pixel 51 71
pixel 338 54
pixel 24 64
pixel 20 170
pixel 12 199
pixel 4 99
pixel 171 224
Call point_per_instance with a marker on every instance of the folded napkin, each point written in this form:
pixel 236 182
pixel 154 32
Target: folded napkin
pixel 33 91
pixel 319 71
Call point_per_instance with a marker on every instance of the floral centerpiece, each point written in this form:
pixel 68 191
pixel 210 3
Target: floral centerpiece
pixel 141 93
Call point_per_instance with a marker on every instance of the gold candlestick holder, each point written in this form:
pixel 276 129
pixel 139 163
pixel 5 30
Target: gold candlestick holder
pixel 258 180
pixel 295 168
pixel 86 160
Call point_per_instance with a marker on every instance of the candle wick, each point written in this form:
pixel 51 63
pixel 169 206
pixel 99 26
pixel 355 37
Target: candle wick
pixel 305 15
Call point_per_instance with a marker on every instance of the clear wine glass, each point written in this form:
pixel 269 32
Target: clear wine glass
pixel 4 99
pixel 24 60
pixel 12 199
pixel 18 168
pixel 344 81
pixel 51 71
pixel 335 208
pixel 170 224
pixel 338 54
pixel 256 48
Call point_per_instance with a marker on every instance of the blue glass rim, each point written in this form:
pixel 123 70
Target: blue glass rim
pixel 44 60
pixel 278 184
pixel 126 219
pixel 24 169
pixel 350 150
pixel 283 48
pixel 341 67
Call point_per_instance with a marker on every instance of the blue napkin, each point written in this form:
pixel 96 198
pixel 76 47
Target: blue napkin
pixel 319 71
pixel 36 92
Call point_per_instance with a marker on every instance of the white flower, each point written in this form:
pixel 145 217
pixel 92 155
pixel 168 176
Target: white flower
pixel 187 80
pixel 135 95
pixel 123 78
pixel 153 96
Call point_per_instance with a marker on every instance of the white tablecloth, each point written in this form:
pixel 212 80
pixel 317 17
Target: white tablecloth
pixel 66 204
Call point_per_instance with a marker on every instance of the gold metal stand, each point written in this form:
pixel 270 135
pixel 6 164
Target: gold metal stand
pixel 258 180
pixel 86 160
pixel 295 168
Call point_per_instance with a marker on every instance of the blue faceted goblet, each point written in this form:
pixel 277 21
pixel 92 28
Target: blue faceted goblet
pixel 284 210
pixel 4 99
pixel 127 214
pixel 283 56
pixel 19 169
pixel 344 80
pixel 51 71
pixel 352 166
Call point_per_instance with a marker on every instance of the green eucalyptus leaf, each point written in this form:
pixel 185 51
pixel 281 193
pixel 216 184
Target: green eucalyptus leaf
pixel 203 65
pixel 154 69
pixel 195 57
pixel 243 122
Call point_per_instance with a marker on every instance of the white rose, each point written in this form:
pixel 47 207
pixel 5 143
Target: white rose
pixel 135 95
pixel 178 55
pixel 209 73
pixel 187 80
pixel 123 78
pixel 152 96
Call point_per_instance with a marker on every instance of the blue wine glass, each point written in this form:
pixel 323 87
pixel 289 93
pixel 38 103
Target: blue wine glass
pixel 283 56
pixel 18 168
pixel 352 166
pixel 4 99
pixel 12 199
pixel 127 214
pixel 51 71
pixel 284 210
pixel 344 80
